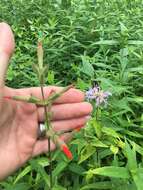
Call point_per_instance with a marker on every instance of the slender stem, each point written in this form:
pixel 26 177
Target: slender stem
pixel 49 143
pixel 97 114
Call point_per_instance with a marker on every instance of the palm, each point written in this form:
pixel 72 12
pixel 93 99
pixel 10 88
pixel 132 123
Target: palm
pixel 19 131
pixel 25 126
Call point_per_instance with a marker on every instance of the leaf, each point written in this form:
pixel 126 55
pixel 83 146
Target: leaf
pixel 88 151
pixel 57 187
pixel 76 168
pixel 138 178
pixel 87 67
pixel 40 169
pixel 98 128
pixel 111 171
pixel 98 185
pixel 123 27
pixel 60 167
pixel 134 134
pixel 135 42
pixel 81 143
pixel 104 153
pixel 43 161
pixel 82 85
pixel 137 147
pixel 106 42
pixel 20 186
pixel 51 77
pixel 110 132
pixel 98 143
pixel 137 99
pixel 131 156
pixel 114 149
pixel 22 174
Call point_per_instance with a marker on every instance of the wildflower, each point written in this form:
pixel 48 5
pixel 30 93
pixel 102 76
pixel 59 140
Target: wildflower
pixel 66 151
pixel 98 95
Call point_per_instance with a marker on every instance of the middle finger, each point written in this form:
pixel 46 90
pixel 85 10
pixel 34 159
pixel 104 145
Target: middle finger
pixel 66 111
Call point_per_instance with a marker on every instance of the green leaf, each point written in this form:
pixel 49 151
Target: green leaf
pixel 98 128
pixel 22 174
pixel 57 187
pixel 110 132
pixel 98 185
pixel 81 143
pixel 40 169
pixel 88 151
pixel 135 42
pixel 87 67
pixel 137 147
pixel 138 178
pixel 43 161
pixel 76 168
pixel 82 85
pixel 131 156
pixel 133 134
pixel 98 143
pixel 20 186
pixel 111 171
pixel 51 77
pixel 123 28
pixel 60 167
pixel 106 42
pixel 114 149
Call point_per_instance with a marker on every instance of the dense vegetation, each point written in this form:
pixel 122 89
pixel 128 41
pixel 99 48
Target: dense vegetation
pixel 86 42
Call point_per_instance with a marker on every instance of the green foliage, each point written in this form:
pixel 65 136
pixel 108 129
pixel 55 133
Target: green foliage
pixel 85 42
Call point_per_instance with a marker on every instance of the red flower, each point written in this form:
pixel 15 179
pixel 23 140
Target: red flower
pixel 66 151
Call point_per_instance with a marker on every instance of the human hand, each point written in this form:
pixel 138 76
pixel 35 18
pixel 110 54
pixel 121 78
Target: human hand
pixel 19 120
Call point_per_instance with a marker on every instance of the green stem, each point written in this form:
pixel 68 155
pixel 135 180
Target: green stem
pixel 49 143
pixel 97 113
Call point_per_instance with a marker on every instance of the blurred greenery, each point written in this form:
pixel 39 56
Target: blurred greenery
pixel 86 42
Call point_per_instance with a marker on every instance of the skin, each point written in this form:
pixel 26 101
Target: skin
pixel 19 121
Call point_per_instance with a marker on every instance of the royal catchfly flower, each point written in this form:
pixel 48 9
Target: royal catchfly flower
pixel 98 95
pixel 66 151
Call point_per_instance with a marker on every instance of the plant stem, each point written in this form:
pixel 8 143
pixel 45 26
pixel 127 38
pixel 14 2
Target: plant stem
pixel 49 143
pixel 97 114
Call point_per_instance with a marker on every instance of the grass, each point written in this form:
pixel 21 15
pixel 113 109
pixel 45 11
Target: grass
pixel 86 42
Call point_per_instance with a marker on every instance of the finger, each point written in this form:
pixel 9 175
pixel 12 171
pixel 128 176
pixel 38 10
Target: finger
pixel 67 125
pixel 71 96
pixel 6 48
pixel 66 111
pixel 41 146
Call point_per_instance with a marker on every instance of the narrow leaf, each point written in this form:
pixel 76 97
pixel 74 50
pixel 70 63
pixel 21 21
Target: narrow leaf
pixel 111 171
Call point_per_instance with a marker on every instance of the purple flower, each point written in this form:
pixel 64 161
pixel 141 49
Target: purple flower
pixel 98 95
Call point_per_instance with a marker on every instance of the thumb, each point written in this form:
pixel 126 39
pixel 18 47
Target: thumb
pixel 7 45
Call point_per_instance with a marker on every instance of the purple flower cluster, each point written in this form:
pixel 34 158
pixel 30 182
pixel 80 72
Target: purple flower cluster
pixel 98 95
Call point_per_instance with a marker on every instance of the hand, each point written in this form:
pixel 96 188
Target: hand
pixel 19 120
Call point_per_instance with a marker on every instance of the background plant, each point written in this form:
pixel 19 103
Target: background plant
pixel 86 42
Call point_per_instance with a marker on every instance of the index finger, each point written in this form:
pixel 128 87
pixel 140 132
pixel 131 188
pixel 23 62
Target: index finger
pixel 71 96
